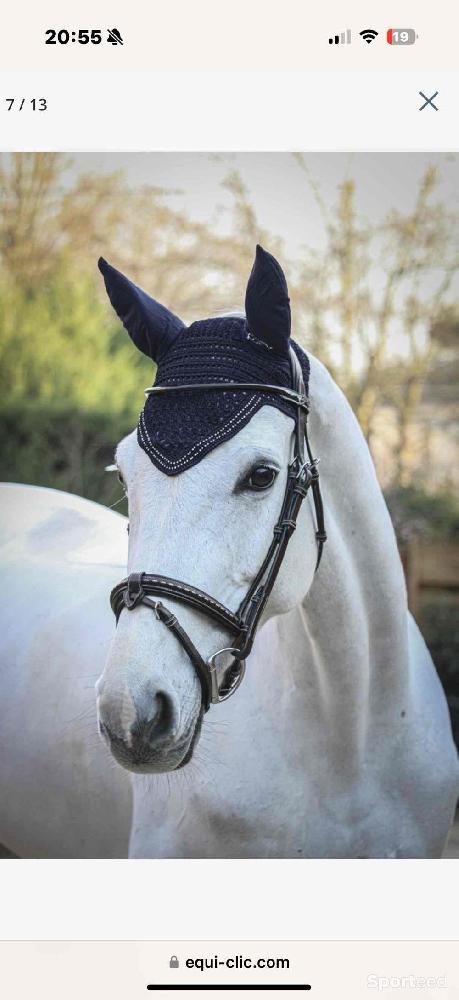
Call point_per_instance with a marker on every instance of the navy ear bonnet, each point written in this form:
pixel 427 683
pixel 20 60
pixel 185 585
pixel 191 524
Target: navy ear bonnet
pixel 176 430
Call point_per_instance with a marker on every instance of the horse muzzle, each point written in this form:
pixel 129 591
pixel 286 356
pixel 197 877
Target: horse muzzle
pixel 153 742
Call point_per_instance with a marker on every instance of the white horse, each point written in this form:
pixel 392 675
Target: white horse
pixel 337 744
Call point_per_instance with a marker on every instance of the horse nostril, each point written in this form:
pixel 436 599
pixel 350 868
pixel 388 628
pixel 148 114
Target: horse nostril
pixel 160 719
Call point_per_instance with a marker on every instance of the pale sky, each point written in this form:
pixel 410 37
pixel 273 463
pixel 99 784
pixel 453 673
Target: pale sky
pixel 287 203
pixel 283 199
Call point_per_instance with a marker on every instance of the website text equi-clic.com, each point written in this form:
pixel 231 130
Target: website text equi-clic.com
pixel 235 962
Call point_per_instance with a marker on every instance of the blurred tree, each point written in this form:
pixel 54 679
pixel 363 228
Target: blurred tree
pixel 29 223
pixel 50 218
pixel 376 304
pixel 378 307
pixel 415 513
pixel 59 338
pixel 59 344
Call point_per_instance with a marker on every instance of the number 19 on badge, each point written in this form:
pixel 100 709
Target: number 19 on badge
pixel 401 36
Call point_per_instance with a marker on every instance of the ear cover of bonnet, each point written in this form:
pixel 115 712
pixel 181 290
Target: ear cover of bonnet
pixel 267 303
pixel 178 429
pixel 151 326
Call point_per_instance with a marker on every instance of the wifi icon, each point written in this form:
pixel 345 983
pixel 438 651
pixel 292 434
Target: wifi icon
pixel 369 34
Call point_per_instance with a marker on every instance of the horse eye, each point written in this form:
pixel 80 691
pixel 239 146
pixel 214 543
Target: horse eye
pixel 261 477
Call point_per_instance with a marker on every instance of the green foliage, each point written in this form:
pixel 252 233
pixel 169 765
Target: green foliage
pixel 415 512
pixel 62 447
pixel 439 623
pixel 58 344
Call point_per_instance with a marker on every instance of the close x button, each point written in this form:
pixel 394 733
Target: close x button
pixel 428 101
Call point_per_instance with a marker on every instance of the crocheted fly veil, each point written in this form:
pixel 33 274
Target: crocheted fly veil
pixel 176 430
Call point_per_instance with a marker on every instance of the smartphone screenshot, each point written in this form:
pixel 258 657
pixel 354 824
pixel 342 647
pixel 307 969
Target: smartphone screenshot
pixel 229 343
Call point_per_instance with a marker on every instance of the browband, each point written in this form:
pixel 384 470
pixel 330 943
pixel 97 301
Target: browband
pixel 299 399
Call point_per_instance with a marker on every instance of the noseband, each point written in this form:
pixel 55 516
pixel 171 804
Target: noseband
pixel 136 589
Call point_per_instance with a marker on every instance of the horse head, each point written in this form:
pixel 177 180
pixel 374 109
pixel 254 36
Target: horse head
pixel 209 473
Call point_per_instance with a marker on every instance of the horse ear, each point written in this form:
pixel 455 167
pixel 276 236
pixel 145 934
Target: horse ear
pixel 151 326
pixel 267 304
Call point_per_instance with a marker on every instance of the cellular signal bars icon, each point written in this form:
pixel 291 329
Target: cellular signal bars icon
pixel 343 39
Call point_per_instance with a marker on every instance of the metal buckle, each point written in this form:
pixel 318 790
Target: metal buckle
pixel 222 693
pixel 309 471
pixel 303 479
pixel 303 401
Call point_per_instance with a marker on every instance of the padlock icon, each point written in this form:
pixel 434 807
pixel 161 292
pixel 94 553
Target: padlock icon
pixel 174 962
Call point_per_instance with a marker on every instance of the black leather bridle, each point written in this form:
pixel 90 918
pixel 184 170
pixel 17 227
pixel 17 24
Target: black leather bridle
pixel 218 684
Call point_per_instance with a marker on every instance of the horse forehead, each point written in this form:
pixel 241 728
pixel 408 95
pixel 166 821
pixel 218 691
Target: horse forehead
pixel 269 426
pixel 268 433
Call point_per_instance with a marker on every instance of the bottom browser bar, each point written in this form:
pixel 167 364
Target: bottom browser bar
pixel 327 970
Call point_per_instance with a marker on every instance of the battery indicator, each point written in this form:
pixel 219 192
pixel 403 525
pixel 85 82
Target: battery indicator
pixel 401 36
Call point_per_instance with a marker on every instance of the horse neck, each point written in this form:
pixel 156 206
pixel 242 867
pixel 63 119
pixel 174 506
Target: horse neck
pixel 355 614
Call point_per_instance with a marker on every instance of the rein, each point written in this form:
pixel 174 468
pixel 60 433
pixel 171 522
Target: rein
pixel 221 674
